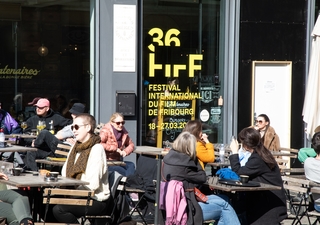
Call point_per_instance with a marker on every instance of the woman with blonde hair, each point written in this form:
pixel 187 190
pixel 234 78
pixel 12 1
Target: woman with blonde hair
pixel 181 164
pixel 117 143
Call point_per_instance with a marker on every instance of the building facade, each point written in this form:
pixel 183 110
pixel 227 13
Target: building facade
pixel 160 62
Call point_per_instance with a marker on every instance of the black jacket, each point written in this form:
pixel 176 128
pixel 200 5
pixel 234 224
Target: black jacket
pixel 179 166
pixel 262 207
pixel 58 122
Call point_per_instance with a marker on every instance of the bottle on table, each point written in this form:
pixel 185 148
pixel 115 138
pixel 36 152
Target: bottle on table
pixel 51 130
pixel 221 153
pixel 2 137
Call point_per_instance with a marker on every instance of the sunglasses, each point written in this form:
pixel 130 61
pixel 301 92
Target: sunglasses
pixel 259 121
pixel 41 107
pixel 76 126
pixel 118 123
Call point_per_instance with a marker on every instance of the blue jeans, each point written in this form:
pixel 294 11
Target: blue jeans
pixel 317 207
pixel 216 208
pixel 123 170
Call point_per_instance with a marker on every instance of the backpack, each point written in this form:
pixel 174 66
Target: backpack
pixel 120 208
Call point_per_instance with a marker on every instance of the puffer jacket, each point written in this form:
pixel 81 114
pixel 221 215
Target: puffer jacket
pixel 110 144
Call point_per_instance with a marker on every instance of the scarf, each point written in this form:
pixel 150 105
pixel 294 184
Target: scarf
pixel 76 169
pixel 118 136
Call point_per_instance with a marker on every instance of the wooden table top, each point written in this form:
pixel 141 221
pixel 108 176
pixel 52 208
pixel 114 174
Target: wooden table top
pixel 219 164
pixel 213 182
pixel 17 148
pixel 28 180
pixel 20 136
pixel 149 150
pixel 61 163
pixel 291 155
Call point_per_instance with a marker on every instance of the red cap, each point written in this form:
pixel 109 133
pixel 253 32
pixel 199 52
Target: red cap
pixel 34 101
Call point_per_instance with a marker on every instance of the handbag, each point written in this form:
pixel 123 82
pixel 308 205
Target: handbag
pixel 200 196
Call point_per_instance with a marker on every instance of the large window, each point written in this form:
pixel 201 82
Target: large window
pixel 44 52
pixel 180 68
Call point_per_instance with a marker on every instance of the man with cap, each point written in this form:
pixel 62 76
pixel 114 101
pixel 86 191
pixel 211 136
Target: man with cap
pixel 45 142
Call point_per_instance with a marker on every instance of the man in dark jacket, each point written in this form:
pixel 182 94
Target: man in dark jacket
pixel 44 113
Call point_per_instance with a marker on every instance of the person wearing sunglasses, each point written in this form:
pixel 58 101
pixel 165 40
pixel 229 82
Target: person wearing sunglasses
pixel 117 143
pixel 269 136
pixel 86 161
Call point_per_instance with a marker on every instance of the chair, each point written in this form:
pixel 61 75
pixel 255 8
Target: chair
pixel 135 204
pixel 70 197
pixel 314 213
pixel 120 207
pixel 297 193
pixel 62 150
pixel 283 165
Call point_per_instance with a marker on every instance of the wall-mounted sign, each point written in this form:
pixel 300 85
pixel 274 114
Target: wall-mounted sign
pixel 124 38
pixel 19 73
pixel 204 115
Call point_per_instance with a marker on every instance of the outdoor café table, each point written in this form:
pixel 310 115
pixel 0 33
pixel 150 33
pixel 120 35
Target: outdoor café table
pixel 15 138
pixel 17 148
pixel 288 154
pixel 226 163
pixel 35 182
pixel 158 153
pixel 55 162
pixel 214 183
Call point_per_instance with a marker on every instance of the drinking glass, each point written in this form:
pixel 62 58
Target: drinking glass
pixel 24 126
pixel 43 125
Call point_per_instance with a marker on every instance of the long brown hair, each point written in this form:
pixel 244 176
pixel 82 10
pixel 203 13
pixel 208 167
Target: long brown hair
pixel 250 137
pixel 194 127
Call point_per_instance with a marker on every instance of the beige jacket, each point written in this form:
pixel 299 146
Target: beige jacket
pixel 271 140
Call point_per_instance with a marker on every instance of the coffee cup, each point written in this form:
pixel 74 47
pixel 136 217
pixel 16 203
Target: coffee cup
pixel 244 179
pixel 16 171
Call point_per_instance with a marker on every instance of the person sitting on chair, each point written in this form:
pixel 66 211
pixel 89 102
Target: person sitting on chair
pixel 312 167
pixel 9 124
pixel 261 167
pixel 269 137
pixel 14 207
pixel 117 143
pixel 86 161
pixel 44 113
pixel 181 164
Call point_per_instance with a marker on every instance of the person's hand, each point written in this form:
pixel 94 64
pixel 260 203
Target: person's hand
pixel 3 176
pixel 204 137
pixel 32 144
pixel 71 141
pixel 234 146
pixel 122 153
